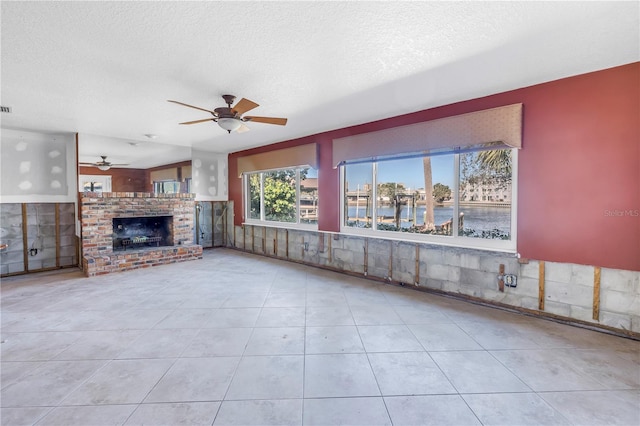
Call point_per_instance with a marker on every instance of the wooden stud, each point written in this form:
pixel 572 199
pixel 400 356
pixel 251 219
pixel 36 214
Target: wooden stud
pixel 25 241
pixel 213 224
pixel 253 239
pixel 275 243
pixel 286 251
pixel 224 225
pixel 57 218
pixel 416 278
pixel 390 271
pixel 321 242
pixel 501 279
pixel 596 293
pixel 541 285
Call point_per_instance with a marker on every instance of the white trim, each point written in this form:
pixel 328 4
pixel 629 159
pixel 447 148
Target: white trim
pixel 105 180
pixel 507 246
pixel 263 221
pixel 282 225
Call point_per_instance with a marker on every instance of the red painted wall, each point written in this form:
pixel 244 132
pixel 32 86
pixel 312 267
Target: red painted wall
pixel 578 170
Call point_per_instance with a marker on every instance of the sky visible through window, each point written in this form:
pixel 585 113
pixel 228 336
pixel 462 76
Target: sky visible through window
pixel 408 172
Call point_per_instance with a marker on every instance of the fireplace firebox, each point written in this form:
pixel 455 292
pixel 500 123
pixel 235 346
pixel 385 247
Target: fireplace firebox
pixel 130 233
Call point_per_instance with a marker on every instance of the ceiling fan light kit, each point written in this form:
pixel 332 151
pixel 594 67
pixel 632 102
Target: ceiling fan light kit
pixel 230 118
pixel 103 165
pixel 229 124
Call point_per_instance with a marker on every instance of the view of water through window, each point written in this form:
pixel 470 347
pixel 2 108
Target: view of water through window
pixel 417 195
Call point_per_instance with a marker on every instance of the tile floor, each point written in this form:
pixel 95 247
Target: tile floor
pixel 240 339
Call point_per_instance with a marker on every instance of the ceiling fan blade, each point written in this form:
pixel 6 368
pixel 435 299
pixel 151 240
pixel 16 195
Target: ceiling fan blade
pixel 267 120
pixel 243 128
pixel 195 107
pixel 199 121
pixel 244 105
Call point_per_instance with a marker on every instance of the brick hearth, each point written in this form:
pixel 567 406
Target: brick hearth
pixel 98 211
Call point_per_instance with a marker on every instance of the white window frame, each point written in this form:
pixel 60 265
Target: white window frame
pixel 454 240
pixel 271 223
pixel 104 180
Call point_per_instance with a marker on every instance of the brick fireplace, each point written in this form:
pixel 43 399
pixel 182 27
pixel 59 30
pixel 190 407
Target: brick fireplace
pixel 124 230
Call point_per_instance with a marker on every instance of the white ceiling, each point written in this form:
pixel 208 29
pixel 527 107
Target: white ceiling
pixel 106 69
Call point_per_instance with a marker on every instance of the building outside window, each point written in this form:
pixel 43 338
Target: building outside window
pixel 287 196
pixel 459 199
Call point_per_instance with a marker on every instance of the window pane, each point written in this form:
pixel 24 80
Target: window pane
pixel 485 194
pixel 309 195
pixel 404 204
pixel 166 187
pixel 254 196
pixel 280 195
pixel 358 203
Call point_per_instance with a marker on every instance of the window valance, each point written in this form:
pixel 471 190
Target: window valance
pixel 302 155
pixel 164 174
pixel 495 128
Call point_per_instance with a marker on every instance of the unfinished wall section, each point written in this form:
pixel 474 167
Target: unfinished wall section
pixel 602 297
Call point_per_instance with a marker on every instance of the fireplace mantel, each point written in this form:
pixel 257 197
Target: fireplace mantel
pixel 98 211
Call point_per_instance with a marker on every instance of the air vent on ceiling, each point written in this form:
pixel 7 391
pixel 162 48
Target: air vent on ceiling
pixel 5 109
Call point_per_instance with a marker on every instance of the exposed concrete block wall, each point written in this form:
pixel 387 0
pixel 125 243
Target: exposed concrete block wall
pixel 567 289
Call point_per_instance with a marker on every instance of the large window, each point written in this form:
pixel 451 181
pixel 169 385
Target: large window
pixel 287 196
pixel 459 199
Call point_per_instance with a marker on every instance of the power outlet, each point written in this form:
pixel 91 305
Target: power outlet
pixel 510 280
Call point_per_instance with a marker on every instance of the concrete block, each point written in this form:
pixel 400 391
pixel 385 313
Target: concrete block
pixel 559 272
pixel 529 302
pixel 238 236
pixel 582 313
pixel 570 294
pixel 431 255
pixel 404 270
pixel 557 308
pixel 450 256
pixel 337 242
pixel 15 267
pixel 615 320
pixel 451 287
pixel 432 283
pixel 511 299
pixel 530 270
pixel 526 287
pixel 357 265
pixel 492 264
pixel 443 272
pixel 406 251
pixel 620 280
pixel 354 243
pixel 619 302
pixel 582 275
pixel 635 323
pixel 379 260
pixel 469 260
pixel 487 280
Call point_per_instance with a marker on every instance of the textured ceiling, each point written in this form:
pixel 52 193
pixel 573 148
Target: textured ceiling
pixel 106 69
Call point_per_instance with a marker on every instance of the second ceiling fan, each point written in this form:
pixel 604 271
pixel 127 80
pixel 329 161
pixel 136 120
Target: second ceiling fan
pixel 230 117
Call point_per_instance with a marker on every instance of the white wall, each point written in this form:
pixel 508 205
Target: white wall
pixel 209 176
pixel 37 167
